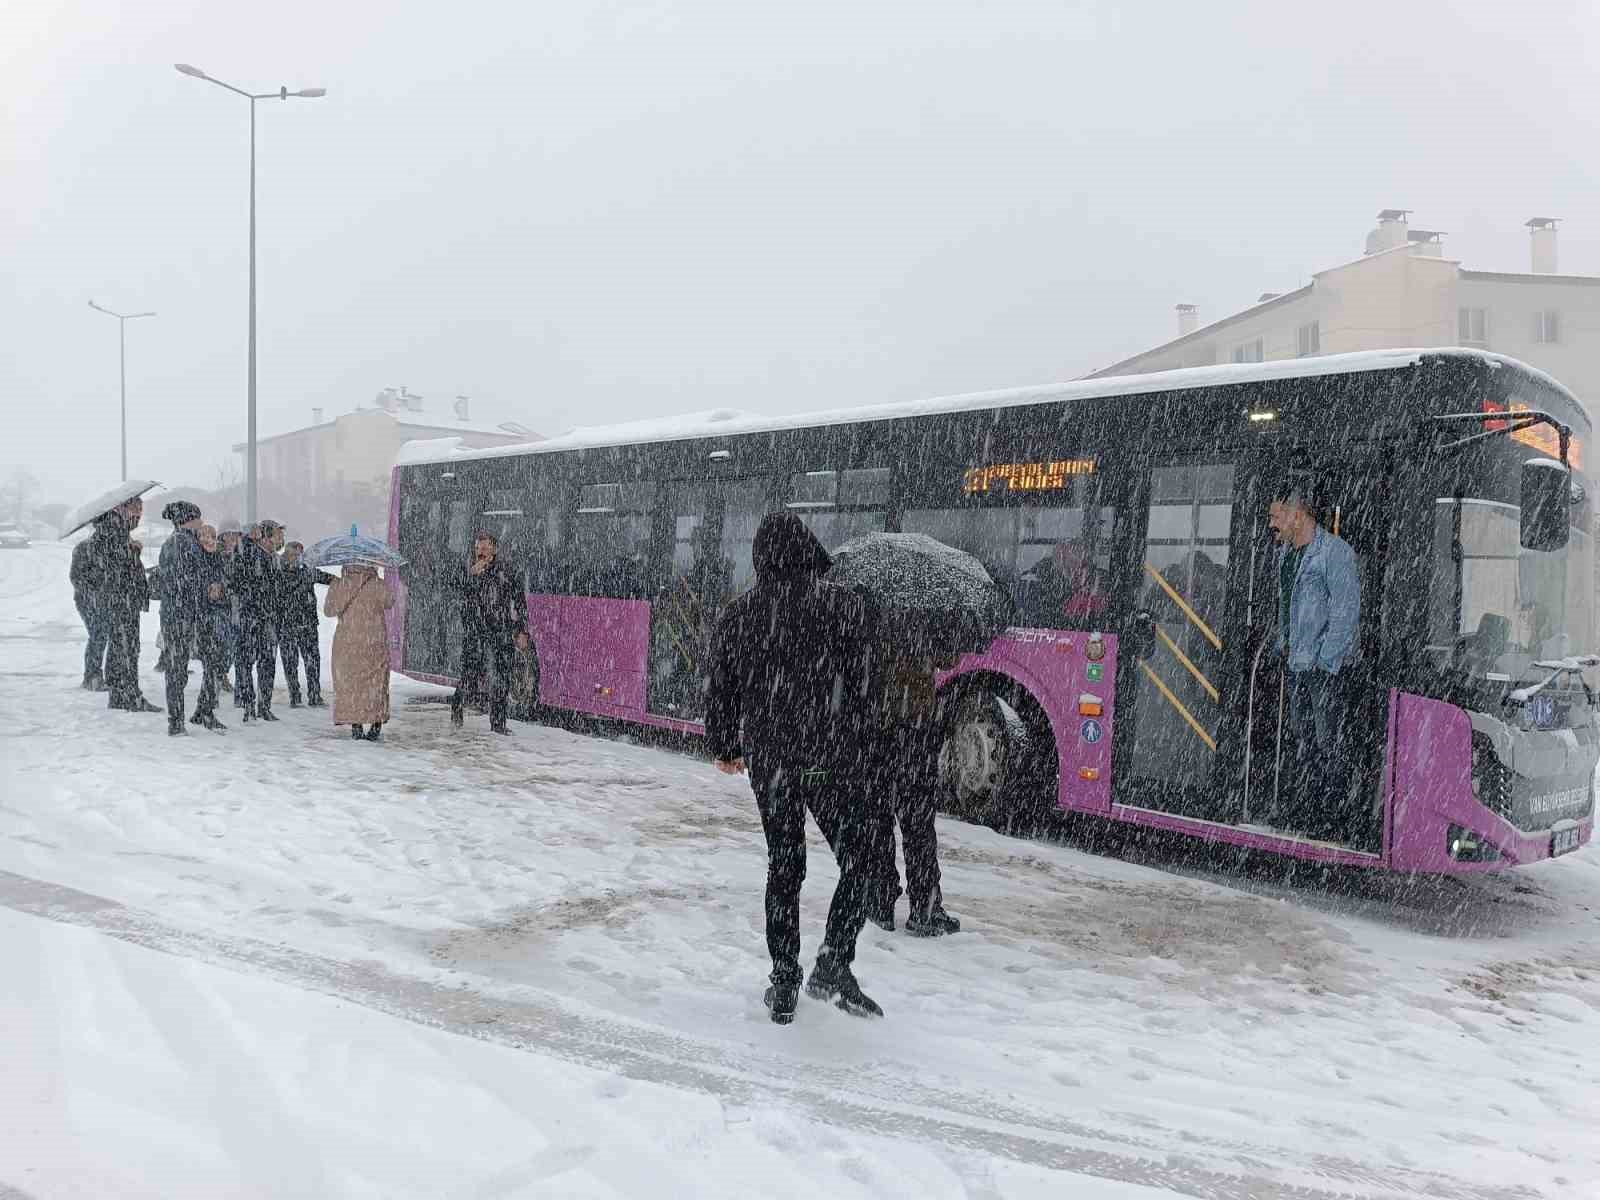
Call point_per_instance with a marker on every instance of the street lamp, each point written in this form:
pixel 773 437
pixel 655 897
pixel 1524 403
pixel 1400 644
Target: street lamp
pixel 282 93
pixel 122 361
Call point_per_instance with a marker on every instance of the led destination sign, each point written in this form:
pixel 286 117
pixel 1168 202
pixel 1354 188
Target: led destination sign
pixel 1025 477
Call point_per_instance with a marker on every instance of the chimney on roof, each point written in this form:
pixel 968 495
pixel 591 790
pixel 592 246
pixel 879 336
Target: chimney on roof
pixel 1188 319
pixel 316 416
pixel 1426 242
pixel 1391 230
pixel 461 408
pixel 1542 232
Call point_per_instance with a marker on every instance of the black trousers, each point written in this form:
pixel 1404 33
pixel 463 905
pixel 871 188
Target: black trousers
pixel 214 664
pixel 94 654
pixel 1317 709
pixel 478 652
pixel 178 633
pixel 297 644
pixel 907 785
pixel 784 796
pixel 256 650
pixel 122 660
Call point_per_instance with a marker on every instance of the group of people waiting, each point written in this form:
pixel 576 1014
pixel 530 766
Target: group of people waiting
pixel 233 602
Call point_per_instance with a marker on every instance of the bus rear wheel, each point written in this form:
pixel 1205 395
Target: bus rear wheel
pixel 989 762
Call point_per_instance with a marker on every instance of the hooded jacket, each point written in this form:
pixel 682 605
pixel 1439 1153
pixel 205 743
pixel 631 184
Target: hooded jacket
pixel 790 671
pixel 97 561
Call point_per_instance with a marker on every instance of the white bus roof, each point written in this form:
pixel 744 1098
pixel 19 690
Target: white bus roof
pixel 730 422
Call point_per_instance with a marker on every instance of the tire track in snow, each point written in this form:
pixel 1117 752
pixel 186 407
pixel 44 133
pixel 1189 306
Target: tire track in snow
pixel 905 1109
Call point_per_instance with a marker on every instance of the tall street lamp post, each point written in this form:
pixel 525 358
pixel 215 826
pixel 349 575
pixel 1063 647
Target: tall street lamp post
pixel 122 369
pixel 282 93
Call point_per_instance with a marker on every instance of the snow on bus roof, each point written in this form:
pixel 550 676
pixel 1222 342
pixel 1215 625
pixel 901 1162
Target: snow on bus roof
pixel 724 422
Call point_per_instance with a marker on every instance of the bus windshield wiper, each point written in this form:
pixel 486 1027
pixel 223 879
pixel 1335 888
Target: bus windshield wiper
pixel 1572 664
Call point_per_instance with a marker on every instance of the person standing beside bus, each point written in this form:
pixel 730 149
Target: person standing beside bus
pixel 297 625
pixel 1319 613
pixel 494 626
pixel 906 775
pixel 787 700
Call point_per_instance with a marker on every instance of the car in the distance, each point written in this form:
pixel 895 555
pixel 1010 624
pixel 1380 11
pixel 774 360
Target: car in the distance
pixel 13 539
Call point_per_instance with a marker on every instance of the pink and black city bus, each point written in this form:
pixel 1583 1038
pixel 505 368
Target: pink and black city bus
pixel 1127 518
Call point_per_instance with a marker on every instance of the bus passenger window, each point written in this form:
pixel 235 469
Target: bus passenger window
pixel 838 505
pixel 609 552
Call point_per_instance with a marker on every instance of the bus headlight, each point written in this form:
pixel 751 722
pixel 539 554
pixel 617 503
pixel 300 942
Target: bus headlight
pixel 1465 846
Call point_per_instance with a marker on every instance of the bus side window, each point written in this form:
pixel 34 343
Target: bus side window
pixel 609 552
pixel 838 505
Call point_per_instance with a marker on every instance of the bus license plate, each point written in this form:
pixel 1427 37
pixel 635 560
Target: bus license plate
pixel 1563 841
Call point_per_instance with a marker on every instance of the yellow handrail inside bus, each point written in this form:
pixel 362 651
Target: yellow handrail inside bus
pixel 1184 605
pixel 1211 742
pixel 1215 695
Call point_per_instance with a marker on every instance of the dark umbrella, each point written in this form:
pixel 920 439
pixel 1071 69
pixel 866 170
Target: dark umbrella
pixel 939 600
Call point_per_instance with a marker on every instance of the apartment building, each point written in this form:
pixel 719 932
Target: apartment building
pixel 1403 291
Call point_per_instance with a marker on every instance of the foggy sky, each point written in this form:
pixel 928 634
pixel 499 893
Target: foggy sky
pixel 578 213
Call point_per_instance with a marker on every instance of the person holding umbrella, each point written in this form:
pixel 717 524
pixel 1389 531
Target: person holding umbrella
pixel 90 559
pixel 931 603
pixel 359 599
pixel 788 686
pixel 125 593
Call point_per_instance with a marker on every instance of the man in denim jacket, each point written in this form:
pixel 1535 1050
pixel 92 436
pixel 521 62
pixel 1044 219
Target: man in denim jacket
pixel 1319 612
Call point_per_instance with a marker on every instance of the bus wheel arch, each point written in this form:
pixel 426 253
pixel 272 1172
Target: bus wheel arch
pixel 998 764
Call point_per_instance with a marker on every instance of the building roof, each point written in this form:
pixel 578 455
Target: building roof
pixel 507 429
pixel 729 422
pixel 1266 302
pixel 1531 277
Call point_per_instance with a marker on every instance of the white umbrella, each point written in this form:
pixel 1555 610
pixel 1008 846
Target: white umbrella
pixel 127 490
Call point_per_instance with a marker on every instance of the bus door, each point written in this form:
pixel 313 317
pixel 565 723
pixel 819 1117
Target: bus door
pixel 705 532
pixel 684 595
pixel 1350 493
pixel 1178 745
pixel 436 523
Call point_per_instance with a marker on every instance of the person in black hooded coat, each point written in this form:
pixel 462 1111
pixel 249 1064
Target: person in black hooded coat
pixel 788 702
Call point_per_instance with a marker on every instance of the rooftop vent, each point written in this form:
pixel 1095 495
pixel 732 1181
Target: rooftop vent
pixel 1542 235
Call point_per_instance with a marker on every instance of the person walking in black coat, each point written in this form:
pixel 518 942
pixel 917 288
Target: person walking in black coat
pixel 297 625
pixel 788 703
pixel 257 581
pixel 494 626
pixel 188 586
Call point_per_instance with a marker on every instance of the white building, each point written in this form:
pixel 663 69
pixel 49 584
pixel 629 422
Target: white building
pixel 1404 292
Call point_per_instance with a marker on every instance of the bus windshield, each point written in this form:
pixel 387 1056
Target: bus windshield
pixel 1517 605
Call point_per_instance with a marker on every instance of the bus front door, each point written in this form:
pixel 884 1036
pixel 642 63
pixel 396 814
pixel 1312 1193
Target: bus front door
pixel 1350 498
pixel 1183 751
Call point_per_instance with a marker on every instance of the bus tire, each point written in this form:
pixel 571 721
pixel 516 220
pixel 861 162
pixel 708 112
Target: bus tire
pixel 985 743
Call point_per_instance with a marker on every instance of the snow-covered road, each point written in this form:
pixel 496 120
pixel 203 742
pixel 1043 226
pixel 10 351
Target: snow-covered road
pixel 1099 1028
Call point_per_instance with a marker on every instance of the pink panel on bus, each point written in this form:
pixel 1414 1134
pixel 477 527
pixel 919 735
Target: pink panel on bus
pixel 604 646
pixel 395 621
pixel 1432 756
pixel 1054 666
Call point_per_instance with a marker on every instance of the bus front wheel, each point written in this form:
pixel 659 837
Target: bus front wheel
pixel 985 760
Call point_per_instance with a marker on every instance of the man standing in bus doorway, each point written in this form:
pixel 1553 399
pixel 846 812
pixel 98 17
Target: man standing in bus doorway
pixel 788 703
pixel 1319 612
pixel 494 626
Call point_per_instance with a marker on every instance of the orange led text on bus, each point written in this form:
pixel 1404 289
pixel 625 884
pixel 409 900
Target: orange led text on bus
pixel 1027 477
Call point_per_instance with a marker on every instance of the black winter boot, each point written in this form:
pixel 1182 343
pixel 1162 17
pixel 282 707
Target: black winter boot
pixel 781 1000
pixel 208 721
pixel 265 713
pixel 933 923
pixel 357 733
pixel 833 980
pixel 375 731
pixel 175 728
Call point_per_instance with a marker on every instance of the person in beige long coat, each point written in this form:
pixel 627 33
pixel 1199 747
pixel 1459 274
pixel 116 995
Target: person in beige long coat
pixel 359 599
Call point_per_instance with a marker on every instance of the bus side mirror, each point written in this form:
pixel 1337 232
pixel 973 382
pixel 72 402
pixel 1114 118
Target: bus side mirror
pixel 1546 496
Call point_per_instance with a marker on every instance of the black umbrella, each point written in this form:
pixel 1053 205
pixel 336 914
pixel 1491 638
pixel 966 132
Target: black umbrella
pixel 937 599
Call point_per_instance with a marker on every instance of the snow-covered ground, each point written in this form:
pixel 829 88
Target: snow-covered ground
pixel 279 963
